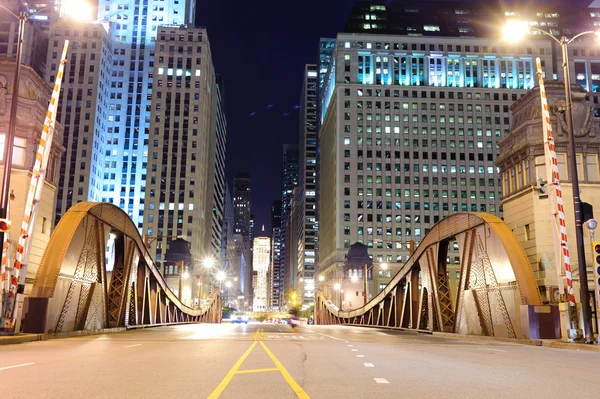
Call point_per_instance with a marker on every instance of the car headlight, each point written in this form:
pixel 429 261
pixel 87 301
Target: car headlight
pixel 245 318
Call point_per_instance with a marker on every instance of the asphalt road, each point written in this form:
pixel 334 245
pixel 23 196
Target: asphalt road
pixel 271 361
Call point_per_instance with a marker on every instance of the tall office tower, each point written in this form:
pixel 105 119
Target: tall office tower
pixel 35 35
pixel 228 242
pixel 326 46
pixel 307 180
pixel 275 269
pixel 261 256
pixel 83 110
pixel 242 264
pixel 179 188
pixel 219 171
pixel 291 282
pixel 289 180
pixel 242 201
pixel 411 124
pixel 135 32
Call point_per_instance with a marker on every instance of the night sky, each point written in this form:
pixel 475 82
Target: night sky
pixel 260 48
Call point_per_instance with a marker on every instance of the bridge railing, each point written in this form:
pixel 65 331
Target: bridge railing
pixel 73 289
pixel 495 279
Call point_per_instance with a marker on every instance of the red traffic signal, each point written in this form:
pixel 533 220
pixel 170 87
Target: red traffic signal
pixel 5 225
pixel 596 248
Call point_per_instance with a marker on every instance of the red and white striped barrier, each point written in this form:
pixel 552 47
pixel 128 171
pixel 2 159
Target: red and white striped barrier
pixel 549 141
pixel 33 197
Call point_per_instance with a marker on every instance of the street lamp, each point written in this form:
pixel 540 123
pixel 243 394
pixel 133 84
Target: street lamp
pixel 338 287
pixel 80 11
pixel 221 276
pixel 383 266
pixel 515 30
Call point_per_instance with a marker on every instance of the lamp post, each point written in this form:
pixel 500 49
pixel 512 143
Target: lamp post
pixel 515 30
pixel 366 286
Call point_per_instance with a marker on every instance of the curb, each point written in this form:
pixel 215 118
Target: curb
pixel 548 343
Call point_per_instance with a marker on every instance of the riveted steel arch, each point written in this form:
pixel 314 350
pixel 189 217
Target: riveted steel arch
pixel 495 279
pixel 78 293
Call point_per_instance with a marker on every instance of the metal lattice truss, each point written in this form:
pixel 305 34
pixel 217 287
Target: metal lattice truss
pixel 77 291
pixel 495 279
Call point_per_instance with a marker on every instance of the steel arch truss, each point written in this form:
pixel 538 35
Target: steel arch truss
pixel 495 279
pixel 77 291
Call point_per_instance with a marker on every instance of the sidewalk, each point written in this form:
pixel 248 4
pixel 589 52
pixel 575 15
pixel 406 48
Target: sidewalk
pixel 21 338
pixel 549 343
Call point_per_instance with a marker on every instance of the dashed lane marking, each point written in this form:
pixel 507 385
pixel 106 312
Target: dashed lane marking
pixel 381 381
pixel 15 366
pixel 369 365
pixel 131 346
pixel 360 355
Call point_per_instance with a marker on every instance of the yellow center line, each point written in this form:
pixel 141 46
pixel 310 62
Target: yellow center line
pixel 256 370
pixel 221 387
pixel 288 378
pixel 258 336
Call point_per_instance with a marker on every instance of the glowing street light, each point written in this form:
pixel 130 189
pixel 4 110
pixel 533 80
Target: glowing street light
pixel 209 262
pixel 185 275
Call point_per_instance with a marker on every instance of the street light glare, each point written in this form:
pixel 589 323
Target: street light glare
pixel 336 286
pixel 321 278
pixel 209 262
pixel 354 278
pixel 515 30
pixel 384 266
pixel 221 276
pixel 79 10
pixel 186 275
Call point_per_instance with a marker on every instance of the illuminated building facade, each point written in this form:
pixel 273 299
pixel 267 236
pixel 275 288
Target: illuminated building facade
pixel 410 124
pixel 261 259
pixel 181 169
pixel 82 110
pixel 307 182
pixel 134 29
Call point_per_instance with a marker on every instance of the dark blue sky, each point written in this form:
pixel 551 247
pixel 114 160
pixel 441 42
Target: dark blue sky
pixel 260 48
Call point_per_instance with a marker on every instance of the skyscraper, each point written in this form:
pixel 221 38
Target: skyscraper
pixel 135 33
pixel 260 263
pixel 181 170
pixel 307 172
pixel 218 155
pixel 275 290
pixel 289 180
pixel 242 202
pixel 83 110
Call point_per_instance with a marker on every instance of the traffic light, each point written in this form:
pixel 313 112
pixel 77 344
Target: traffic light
pixel 5 225
pixel 596 256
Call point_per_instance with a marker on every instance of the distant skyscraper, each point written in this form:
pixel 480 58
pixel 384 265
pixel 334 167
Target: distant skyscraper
pixel 83 110
pixel 131 92
pixel 260 263
pixel 228 241
pixel 242 196
pixel 275 290
pixel 219 172
pixel 289 180
pixel 181 152
pixel 307 173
